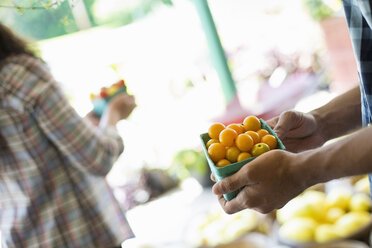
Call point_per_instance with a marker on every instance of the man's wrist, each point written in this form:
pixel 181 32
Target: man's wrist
pixel 321 123
pixel 304 169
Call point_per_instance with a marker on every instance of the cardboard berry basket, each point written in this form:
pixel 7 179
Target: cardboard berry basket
pixel 100 104
pixel 221 172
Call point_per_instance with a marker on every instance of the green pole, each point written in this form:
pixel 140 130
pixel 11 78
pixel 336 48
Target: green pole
pixel 216 51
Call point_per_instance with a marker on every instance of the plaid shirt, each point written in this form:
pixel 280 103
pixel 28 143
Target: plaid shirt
pixel 359 18
pixel 53 163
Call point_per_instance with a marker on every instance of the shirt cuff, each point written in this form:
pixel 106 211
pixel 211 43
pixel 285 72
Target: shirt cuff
pixel 111 131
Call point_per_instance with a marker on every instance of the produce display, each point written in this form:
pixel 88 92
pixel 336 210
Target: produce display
pixel 228 148
pixel 316 218
pixel 215 227
pixel 362 185
pixel 100 100
pixel 319 217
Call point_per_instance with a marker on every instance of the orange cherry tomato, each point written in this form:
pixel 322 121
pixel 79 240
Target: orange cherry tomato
pixel 223 163
pixel 232 154
pixel 244 142
pixel 215 130
pixel 237 127
pixel 252 123
pixel 254 135
pixel 243 156
pixel 262 132
pixel 210 142
pixel 227 137
pixel 216 152
pixel 270 140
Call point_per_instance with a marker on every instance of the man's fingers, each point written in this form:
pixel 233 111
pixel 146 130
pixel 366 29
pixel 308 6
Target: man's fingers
pixel 245 199
pixel 212 178
pixel 231 183
pixel 285 123
pixel 230 207
pixel 272 122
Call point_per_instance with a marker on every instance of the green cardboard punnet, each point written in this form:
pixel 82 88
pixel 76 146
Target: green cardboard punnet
pixel 221 172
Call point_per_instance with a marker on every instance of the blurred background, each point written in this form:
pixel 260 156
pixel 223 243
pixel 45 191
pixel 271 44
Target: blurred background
pixel 189 63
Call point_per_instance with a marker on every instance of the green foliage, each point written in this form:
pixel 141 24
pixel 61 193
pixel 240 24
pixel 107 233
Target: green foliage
pixel 188 163
pixel 40 21
pixel 168 2
pixel 321 9
pixel 118 13
pixel 43 19
pixel 22 5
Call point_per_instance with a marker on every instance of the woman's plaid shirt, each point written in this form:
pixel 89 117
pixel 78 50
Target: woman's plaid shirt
pixel 53 164
pixel 359 18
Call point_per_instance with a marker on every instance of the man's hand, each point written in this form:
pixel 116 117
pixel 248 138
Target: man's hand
pixel 298 131
pixel 275 177
pixel 269 182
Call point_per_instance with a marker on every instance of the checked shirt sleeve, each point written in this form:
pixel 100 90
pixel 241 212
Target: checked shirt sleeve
pixel 85 146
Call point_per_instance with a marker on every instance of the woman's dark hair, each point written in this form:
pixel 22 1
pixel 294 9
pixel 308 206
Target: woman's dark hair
pixel 10 44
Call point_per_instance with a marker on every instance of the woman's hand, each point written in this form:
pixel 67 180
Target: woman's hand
pixel 93 118
pixel 122 104
pixel 119 108
pixel 298 131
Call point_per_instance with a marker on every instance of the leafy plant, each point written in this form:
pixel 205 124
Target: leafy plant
pixel 118 13
pixel 190 163
pixel 22 5
pixel 38 19
pixel 321 9
pixel 43 19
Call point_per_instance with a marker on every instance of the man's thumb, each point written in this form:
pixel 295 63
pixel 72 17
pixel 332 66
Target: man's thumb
pixel 284 124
